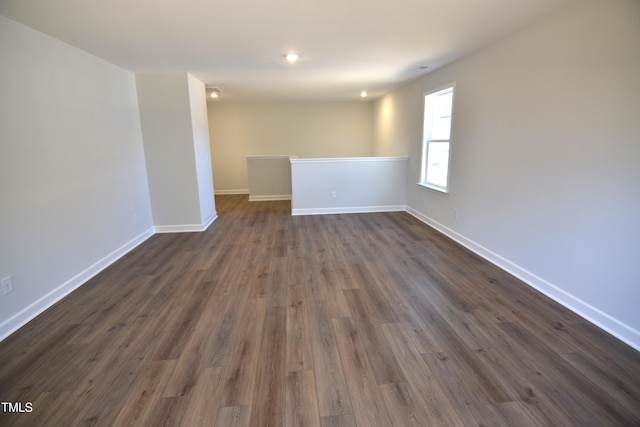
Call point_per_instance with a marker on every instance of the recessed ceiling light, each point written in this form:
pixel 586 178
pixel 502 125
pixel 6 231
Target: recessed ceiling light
pixel 292 57
pixel 213 91
pixel 363 94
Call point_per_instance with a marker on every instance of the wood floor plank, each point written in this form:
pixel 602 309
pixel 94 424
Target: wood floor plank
pixel 299 350
pixel 240 380
pixel 614 382
pixel 199 352
pixel 277 285
pixel 234 416
pixel 221 348
pixel 422 336
pixel 378 307
pixel 403 409
pixel 585 404
pixel 204 403
pixel 143 396
pixel 24 370
pixel 383 362
pixel 268 408
pixel 127 302
pixel 338 421
pixel 468 397
pixel 302 400
pixel 95 399
pixel 180 317
pixel 332 291
pixel 168 411
pixel 521 382
pixel 469 332
pixel 605 350
pixel 315 288
pixel 49 376
pixel 510 414
pixel 459 360
pixel 188 368
pixel 366 398
pixel 328 320
pixel 333 396
pixel 424 388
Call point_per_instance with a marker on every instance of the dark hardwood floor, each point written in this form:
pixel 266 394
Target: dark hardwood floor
pixel 344 320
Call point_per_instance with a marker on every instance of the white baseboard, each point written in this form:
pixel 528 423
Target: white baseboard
pixel 25 315
pixel 186 228
pixel 347 210
pixel 207 222
pixel 269 197
pixel 599 318
pixel 231 192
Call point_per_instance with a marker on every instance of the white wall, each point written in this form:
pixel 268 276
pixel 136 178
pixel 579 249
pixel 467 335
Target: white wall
pixel 348 185
pixel 73 185
pixel 202 149
pixel 545 161
pixel 176 151
pixel 390 139
pixel 269 177
pixel 306 129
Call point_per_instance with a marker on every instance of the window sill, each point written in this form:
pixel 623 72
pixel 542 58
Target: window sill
pixel 437 188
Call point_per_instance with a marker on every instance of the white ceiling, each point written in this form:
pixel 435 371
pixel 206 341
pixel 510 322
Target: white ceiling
pixel 239 45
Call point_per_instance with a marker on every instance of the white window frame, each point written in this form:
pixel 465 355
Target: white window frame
pixel 427 140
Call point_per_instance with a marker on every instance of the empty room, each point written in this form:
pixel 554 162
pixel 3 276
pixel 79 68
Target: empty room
pixel 320 213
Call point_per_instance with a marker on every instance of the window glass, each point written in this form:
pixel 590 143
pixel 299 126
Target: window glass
pixel 438 113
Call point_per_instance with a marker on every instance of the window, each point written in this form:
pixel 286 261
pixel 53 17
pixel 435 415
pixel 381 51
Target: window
pixel 436 140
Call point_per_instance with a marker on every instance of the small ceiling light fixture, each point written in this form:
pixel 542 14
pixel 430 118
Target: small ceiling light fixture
pixel 292 57
pixel 363 94
pixel 214 92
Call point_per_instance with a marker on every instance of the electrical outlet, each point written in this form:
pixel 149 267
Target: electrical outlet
pixel 455 213
pixel 334 194
pixel 7 285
